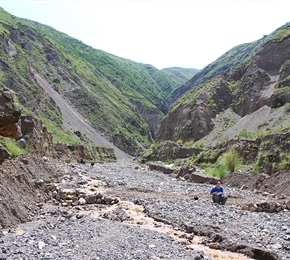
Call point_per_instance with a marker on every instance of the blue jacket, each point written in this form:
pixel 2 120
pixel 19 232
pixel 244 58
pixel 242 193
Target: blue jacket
pixel 215 189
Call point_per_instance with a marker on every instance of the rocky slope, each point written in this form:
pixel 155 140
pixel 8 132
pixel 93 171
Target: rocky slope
pixel 228 62
pixel 261 82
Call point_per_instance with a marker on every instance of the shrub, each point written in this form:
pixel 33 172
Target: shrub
pixel 256 168
pixel 245 134
pixel 219 172
pixel 199 144
pixel 169 161
pixel 231 161
pixel 188 143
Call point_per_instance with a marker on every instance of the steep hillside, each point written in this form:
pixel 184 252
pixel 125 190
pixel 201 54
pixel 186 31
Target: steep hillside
pixel 236 121
pixel 123 100
pixel 229 61
pixel 180 75
pixel 157 84
pixel 262 81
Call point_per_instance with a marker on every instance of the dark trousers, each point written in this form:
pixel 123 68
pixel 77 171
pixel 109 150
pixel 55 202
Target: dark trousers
pixel 219 199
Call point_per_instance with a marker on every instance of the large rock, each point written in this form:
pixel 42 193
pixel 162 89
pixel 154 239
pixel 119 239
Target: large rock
pixel 9 115
pixel 167 169
pixel 168 150
pixel 4 154
pixel 195 174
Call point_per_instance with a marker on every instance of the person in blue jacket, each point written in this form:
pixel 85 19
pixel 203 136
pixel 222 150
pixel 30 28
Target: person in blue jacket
pixel 217 194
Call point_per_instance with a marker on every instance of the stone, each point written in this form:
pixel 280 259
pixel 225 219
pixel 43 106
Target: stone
pixel 244 187
pixel 90 199
pixel 79 216
pixel 109 200
pixel 41 244
pixel 276 246
pixel 272 206
pixel 214 246
pixel 63 196
pixel 24 160
pixel 82 201
pixel 4 154
pixel 245 207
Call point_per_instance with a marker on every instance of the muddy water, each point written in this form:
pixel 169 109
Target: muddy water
pixel 138 218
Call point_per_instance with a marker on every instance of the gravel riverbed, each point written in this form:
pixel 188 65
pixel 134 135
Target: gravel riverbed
pixel 114 231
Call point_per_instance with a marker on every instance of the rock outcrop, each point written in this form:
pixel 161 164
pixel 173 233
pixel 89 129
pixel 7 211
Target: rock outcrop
pixel 264 81
pixel 9 114
pixel 167 151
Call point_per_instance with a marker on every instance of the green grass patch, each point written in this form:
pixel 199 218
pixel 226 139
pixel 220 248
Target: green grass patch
pixel 199 144
pixel 59 135
pixel 281 34
pixel 245 134
pixel 12 147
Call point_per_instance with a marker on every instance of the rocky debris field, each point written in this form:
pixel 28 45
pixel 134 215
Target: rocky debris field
pixel 123 210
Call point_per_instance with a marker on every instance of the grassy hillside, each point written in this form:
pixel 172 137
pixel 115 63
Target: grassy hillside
pixel 180 75
pixel 123 99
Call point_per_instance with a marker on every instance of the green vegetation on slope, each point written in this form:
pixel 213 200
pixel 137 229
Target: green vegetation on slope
pixel 119 97
pixel 180 75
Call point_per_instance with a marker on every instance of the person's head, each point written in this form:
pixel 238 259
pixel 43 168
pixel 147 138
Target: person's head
pixel 218 184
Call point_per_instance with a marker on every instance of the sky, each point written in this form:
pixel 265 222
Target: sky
pixel 163 33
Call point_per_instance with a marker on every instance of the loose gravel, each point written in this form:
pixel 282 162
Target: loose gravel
pixel 69 233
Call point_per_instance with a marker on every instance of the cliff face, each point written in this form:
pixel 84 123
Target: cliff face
pixel 9 114
pixel 264 81
pixel 191 118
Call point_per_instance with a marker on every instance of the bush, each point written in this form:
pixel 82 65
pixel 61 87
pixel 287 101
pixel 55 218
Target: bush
pixel 219 172
pixel 245 134
pixel 199 144
pixel 231 161
pixel 226 163
pixel 188 143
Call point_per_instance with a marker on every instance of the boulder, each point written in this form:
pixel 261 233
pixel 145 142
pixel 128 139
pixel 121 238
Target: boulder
pixel 4 154
pixel 91 198
pixel 9 114
pixel 162 168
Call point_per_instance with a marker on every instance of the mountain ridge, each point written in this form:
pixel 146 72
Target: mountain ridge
pixel 124 107
pixel 226 63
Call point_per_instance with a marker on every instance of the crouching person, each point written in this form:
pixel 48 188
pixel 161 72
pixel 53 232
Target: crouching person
pixel 217 194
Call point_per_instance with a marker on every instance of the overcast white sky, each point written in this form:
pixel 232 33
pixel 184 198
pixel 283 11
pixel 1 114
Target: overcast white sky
pixel 164 33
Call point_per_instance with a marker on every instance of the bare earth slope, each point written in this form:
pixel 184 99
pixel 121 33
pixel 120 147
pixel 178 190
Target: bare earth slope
pixel 75 121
